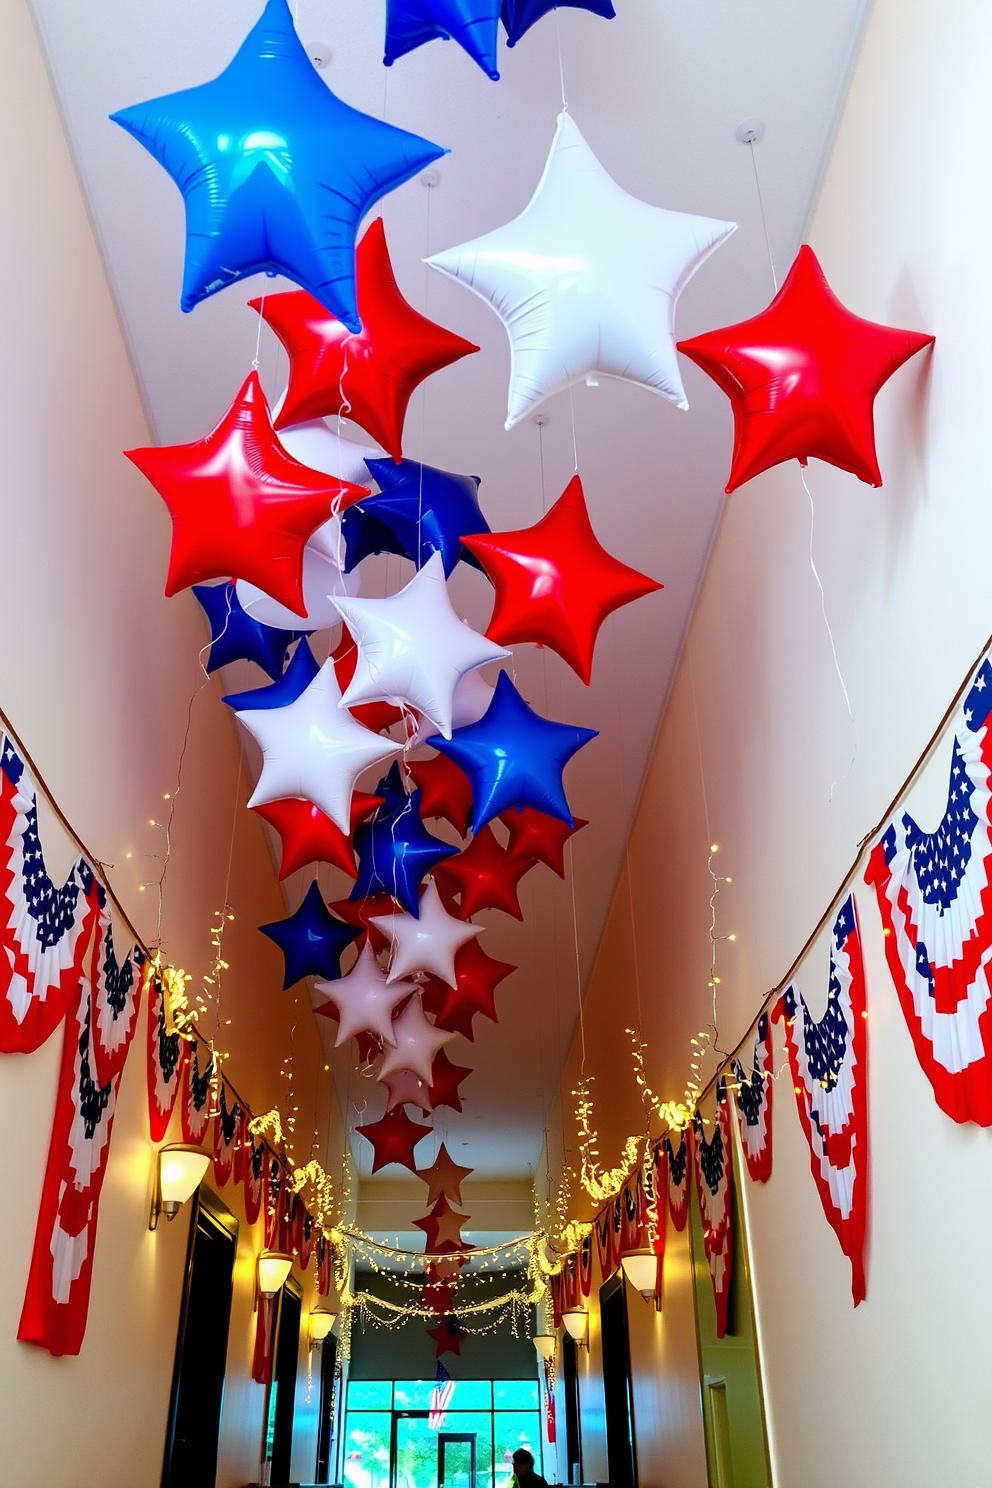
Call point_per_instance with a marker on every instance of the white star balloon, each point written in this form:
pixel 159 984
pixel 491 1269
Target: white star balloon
pixel 314 444
pixel 428 944
pixel 365 1000
pixel 323 576
pixel 586 279
pixel 314 750
pixel 407 1089
pixel 414 1042
pixel 472 698
pixel 413 650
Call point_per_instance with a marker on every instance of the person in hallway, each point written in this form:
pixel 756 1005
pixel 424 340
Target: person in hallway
pixel 524 1475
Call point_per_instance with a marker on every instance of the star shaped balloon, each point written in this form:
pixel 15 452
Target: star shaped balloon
pixel 404 1088
pixel 472 698
pixel 445 1080
pixel 323 578
pixel 367 373
pixel 555 584
pixel 439 1297
pixel 445 791
pixel 585 280
pixel 445 1268
pixel 394 1138
pixel 365 1001
pixel 313 443
pixel 426 510
pixel 362 911
pixel 472 23
pixel 314 750
pixel 236 636
pixel 484 878
pixel 309 836
pixel 426 943
pixel 444 1177
pixel 803 377
pixel 414 1042
pixel 447 1336
pixel 375 716
pixel 311 940
pixel 302 669
pixel 519 15
pixel 514 757
pixel 477 977
pixel 442 1228
pixel 275 171
pixel 240 506
pixel 535 835
pixel 413 650
pixel 396 852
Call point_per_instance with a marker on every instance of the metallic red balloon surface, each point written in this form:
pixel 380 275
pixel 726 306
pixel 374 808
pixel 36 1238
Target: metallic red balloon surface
pixel 555 584
pixel 309 836
pixel 534 835
pixel 483 877
pixel 394 1137
pixel 370 376
pixel 803 376
pixel 241 506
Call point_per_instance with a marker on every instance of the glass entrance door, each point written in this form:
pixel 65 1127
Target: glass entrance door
pixel 415 1451
pixel 456 1459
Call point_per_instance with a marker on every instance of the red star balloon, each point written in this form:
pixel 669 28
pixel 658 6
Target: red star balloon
pixel 369 377
pixel 309 836
pixel 393 1137
pixel 444 791
pixel 447 1336
pixel 369 1047
pixel 444 1176
pixel 555 584
pixel 360 912
pixel 483 877
pixel 443 1228
pixel 439 1297
pixel 445 1268
pixel 478 976
pixel 445 1080
pixel 379 717
pixel 533 834
pixel 803 376
pixel 241 507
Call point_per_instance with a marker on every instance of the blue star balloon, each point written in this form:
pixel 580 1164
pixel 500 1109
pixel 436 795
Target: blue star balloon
pixel 276 172
pixel 236 636
pixel 474 24
pixel 519 15
pixel 514 757
pixel 424 510
pixel 294 681
pixel 312 940
pixel 396 852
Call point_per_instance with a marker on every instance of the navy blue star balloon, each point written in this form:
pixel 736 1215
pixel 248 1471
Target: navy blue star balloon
pixel 474 24
pixel 422 510
pixel 396 852
pixel 519 15
pixel 294 681
pixel 514 757
pixel 312 940
pixel 236 636
pixel 276 172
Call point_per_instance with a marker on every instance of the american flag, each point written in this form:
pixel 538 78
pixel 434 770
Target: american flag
pixel 678 1179
pixel 714 1187
pixel 934 892
pixel 441 1396
pixel 44 931
pixel 754 1103
pixel 829 1064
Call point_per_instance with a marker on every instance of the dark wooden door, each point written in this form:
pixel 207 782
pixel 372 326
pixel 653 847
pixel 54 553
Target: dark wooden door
pixel 617 1384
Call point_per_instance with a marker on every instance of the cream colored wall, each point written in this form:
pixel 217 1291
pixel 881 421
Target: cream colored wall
pixel 97 673
pixel 755 754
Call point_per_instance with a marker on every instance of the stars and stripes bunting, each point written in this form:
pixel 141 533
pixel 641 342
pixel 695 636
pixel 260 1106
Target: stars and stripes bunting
pixel 166 1055
pixel 584 1265
pixel 254 1179
pixel 753 1098
pixel 194 1106
pixel 116 993
pixel 678 1178
pixel 227 1133
pixel 714 1188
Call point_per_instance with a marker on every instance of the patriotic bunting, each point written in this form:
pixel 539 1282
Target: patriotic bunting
pixel 166 1053
pixel 677 1162
pixel 116 996
pixel 603 1230
pixel 655 1229
pixel 631 1212
pixel 227 1135
pixel 305 1234
pixel 270 1201
pixel 829 1063
pixel 754 1104
pixel 584 1266
pixel 254 1180
pixel 195 1104
pixel 934 892
pixel 714 1187
pixel 44 931
pixel 325 1266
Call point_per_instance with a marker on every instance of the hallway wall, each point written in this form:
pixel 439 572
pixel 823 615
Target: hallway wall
pixel 757 753
pixel 100 676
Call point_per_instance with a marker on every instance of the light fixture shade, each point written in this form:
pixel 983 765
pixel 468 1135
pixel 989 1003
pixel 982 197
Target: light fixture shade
pixel 322 1320
pixel 180 1170
pixel 641 1269
pixel 274 1267
pixel 546 1343
pixel 576 1320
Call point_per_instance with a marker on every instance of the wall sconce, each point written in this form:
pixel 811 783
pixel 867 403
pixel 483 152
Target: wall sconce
pixel 273 1271
pixel 322 1320
pixel 576 1320
pixel 641 1269
pixel 179 1170
pixel 546 1343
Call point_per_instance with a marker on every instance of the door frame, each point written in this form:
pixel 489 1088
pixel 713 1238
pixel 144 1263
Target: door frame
pixel 456 1436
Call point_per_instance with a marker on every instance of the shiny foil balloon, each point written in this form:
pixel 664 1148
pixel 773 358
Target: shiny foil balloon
pixel 519 15
pixel 275 171
pixel 473 24
pixel 803 376
pixel 585 280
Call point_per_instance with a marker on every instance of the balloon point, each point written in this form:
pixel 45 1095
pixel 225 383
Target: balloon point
pixel 750 131
pixel 430 178
pixel 542 420
pixel 319 53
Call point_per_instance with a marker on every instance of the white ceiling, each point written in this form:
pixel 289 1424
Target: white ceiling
pixel 658 93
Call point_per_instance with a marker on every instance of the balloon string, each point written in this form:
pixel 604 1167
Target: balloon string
pixel 761 208
pixel 830 634
pixel 709 839
pixel 578 967
pixel 575 447
pixel 561 67
pixel 258 333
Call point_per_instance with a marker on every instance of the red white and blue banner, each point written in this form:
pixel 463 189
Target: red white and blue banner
pixel 753 1095
pixel 194 1107
pixel 829 1064
pixel 583 1265
pixel 715 1187
pixel 603 1230
pixel 935 896
pixel 654 1229
pixel 166 1055
pixel 677 1159
pixel 44 931
pixel 116 988
pixel 254 1180
pixel 227 1136
pixel 632 1214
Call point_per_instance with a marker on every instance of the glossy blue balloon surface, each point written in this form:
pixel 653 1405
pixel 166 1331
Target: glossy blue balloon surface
pixel 295 680
pixel 276 172
pixel 519 15
pixel 312 940
pixel 474 24
pixel 423 510
pixel 514 757
pixel 236 636
pixel 395 851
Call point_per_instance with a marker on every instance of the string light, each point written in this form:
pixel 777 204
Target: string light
pixel 599 1183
